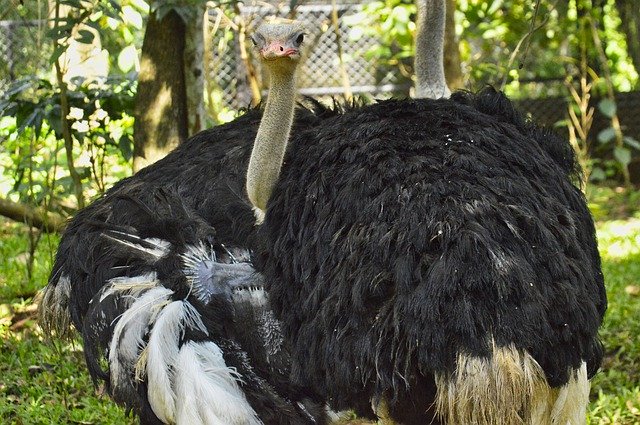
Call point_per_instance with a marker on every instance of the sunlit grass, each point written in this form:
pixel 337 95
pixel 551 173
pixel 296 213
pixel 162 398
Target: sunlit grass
pixel 615 391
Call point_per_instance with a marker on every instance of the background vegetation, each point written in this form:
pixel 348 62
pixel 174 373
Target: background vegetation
pixel 69 130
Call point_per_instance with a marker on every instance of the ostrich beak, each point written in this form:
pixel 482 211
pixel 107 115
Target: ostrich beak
pixel 278 50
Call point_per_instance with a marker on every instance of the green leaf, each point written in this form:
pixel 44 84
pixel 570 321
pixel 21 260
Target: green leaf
pixel 94 25
pixel 60 49
pixel 115 5
pixel 55 120
pixel 606 135
pixel 622 155
pixel 132 17
pixel 597 174
pixel 85 37
pixel 60 31
pixel 126 146
pixel 18 87
pixel 127 58
pixel 30 121
pixel 632 142
pixel 607 107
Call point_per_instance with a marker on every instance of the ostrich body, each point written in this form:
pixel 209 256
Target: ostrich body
pixel 176 310
pixel 208 172
pixel 431 257
pixel 435 254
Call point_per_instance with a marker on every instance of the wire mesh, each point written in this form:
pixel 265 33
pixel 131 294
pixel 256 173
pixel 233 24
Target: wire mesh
pixel 22 50
pixel 323 74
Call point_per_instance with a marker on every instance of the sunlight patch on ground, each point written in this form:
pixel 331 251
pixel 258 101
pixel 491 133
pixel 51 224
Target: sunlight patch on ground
pixel 619 238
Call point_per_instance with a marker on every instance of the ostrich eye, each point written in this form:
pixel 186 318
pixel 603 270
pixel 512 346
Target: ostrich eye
pixel 300 39
pixel 254 41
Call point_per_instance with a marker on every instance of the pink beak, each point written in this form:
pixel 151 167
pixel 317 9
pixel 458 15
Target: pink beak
pixel 276 50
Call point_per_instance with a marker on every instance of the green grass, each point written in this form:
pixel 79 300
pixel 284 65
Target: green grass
pixel 40 383
pixel 45 384
pixel 616 389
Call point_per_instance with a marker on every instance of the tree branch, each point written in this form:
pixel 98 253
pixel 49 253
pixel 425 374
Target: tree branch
pixel 46 221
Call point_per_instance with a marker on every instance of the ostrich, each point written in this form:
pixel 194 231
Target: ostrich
pixel 181 318
pixel 436 258
pixel 433 257
pixel 209 173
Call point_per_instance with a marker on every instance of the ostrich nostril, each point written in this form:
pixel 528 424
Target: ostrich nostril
pixel 281 49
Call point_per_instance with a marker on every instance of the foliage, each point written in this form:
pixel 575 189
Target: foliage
pixel 49 153
pixel 100 125
pixel 622 150
pixel 391 22
pixel 491 31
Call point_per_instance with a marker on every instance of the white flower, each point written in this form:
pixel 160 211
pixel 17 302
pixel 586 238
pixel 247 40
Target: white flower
pixel 99 115
pixel 80 126
pixel 75 113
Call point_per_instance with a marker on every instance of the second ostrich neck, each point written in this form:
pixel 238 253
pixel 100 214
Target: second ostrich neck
pixel 429 56
pixel 271 140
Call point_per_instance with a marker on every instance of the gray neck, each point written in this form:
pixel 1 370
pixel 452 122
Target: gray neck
pixel 429 58
pixel 271 140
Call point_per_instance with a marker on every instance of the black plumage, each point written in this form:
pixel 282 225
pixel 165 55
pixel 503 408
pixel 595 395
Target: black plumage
pixel 193 197
pixel 207 172
pixel 218 283
pixel 399 237
pixel 405 233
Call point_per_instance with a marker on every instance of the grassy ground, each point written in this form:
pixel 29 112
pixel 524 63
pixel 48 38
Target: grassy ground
pixel 49 384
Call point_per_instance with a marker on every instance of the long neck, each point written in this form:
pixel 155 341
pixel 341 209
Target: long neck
pixel 429 58
pixel 271 140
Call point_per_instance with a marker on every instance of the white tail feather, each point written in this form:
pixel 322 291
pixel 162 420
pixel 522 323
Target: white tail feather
pixel 53 307
pixel 135 285
pixel 127 339
pixel 509 388
pixel 207 389
pixel 162 352
pixel 159 249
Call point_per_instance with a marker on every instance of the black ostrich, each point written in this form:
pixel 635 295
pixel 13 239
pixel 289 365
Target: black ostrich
pixel 173 306
pixel 435 257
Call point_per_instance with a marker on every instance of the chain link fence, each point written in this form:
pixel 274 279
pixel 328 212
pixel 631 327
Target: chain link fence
pixel 325 73
pixel 23 49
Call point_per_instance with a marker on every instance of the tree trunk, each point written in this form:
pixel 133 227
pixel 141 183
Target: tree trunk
pixel 629 11
pixel 161 102
pixel 194 71
pixel 452 63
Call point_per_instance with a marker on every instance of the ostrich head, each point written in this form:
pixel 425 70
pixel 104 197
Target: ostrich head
pixel 279 43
